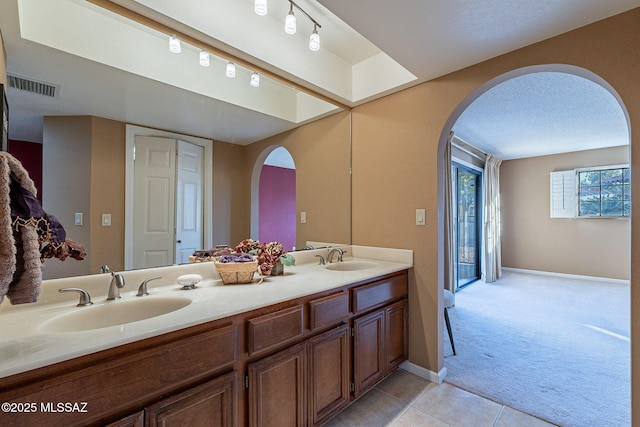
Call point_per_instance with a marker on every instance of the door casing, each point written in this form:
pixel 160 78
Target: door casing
pixel 131 132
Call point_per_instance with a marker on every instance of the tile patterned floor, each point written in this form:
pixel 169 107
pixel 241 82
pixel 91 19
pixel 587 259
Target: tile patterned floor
pixel 406 400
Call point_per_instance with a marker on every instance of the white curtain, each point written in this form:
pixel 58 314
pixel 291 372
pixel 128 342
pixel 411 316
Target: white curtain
pixel 449 238
pixel 492 257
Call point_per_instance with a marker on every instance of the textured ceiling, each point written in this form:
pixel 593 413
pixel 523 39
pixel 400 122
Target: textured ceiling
pixel 543 113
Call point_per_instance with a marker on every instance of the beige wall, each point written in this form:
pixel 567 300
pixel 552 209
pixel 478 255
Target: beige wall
pixel 85 173
pixel 107 194
pixel 66 189
pixel 532 240
pixel 230 224
pixel 321 153
pixel 396 167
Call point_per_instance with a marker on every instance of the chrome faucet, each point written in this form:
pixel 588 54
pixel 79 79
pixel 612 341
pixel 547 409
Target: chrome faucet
pixel 142 290
pixel 333 251
pixel 117 283
pixel 85 299
pixel 321 262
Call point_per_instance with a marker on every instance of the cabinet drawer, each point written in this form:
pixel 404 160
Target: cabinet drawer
pixel 379 293
pixel 329 310
pixel 272 329
pixel 134 379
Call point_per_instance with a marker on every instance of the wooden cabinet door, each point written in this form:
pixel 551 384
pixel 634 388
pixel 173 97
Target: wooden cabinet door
pixel 277 389
pixel 210 404
pixel 396 334
pixel 328 374
pixel 133 420
pixel 368 351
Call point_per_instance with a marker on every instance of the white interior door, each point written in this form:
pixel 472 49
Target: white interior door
pixel 189 233
pixel 154 202
pixel 152 137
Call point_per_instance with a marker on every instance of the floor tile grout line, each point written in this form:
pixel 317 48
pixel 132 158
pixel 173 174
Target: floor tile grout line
pixel 411 405
pixel 408 402
pixel 406 406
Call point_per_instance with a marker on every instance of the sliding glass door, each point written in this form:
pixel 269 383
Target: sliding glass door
pixel 467 185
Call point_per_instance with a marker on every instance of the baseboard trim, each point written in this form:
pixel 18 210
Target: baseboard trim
pixel 434 377
pixel 568 276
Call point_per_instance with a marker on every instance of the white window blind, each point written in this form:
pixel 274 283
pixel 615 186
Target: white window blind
pixel 563 194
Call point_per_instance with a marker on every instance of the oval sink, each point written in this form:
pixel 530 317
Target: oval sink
pixel 113 313
pixel 350 265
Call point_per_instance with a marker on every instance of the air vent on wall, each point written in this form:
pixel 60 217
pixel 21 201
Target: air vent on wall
pixel 33 86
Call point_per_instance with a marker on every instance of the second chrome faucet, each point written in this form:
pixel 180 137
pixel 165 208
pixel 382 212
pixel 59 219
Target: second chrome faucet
pixel 117 283
pixel 340 253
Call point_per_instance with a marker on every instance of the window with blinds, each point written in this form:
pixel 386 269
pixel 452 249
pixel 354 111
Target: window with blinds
pixel 600 192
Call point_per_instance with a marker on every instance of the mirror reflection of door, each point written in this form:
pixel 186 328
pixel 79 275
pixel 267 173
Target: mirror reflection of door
pixel 167 219
pixel 189 230
pixel 467 184
pixel 277 199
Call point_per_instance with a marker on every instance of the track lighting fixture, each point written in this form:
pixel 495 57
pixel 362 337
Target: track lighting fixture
pixel 204 58
pixel 260 7
pixel 255 79
pixel 174 44
pixel 290 26
pixel 290 22
pixel 231 70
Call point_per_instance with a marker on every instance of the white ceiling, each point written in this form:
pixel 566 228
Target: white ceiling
pixel 397 44
pixel 543 113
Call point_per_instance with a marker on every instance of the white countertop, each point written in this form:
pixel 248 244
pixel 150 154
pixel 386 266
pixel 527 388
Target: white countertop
pixel 24 345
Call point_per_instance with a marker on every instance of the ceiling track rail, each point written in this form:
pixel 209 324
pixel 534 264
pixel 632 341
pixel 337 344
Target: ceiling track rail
pixel 169 31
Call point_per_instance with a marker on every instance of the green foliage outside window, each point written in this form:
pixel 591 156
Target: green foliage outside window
pixel 604 192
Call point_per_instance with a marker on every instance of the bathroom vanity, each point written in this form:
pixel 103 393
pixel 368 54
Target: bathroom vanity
pixel 293 350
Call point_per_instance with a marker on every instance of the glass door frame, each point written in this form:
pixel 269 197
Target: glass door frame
pixel 458 165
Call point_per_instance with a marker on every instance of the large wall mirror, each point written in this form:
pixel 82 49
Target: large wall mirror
pixel 81 77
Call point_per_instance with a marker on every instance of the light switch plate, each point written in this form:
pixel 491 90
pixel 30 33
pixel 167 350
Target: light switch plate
pixel 303 217
pixel 78 218
pixel 421 217
pixel 106 220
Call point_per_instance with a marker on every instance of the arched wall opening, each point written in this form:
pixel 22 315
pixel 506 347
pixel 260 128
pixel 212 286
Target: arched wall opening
pixel 457 112
pixel 273 197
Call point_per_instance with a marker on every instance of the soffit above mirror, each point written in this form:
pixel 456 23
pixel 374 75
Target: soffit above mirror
pixel 106 65
pixel 347 68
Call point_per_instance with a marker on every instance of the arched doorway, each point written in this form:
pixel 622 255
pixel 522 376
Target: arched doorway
pixel 273 213
pixel 468 103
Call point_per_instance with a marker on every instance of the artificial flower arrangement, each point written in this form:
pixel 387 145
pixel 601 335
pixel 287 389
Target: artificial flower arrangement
pixel 237 265
pixel 270 256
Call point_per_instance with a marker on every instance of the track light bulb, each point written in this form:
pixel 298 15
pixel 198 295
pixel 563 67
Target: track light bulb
pixel 260 7
pixel 204 58
pixel 255 80
pixel 314 40
pixel 231 70
pixel 174 44
pixel 290 23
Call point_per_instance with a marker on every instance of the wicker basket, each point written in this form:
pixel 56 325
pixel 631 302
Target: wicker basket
pixel 236 272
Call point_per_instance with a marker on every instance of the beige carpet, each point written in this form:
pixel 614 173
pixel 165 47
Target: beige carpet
pixel 552 347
